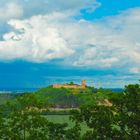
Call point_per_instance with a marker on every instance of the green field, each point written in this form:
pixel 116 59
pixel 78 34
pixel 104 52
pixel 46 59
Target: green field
pixel 60 119
pixel 65 119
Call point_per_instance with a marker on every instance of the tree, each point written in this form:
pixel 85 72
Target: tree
pixel 132 102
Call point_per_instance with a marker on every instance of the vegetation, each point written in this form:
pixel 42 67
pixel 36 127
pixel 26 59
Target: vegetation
pixel 103 114
pixel 68 98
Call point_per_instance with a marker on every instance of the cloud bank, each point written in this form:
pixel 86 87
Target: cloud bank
pixel 110 42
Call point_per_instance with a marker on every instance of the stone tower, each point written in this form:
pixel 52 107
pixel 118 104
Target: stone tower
pixel 83 84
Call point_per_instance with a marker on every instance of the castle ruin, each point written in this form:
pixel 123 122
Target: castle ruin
pixel 75 86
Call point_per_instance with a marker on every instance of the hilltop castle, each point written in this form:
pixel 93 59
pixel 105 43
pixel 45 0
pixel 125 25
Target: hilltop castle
pixel 75 86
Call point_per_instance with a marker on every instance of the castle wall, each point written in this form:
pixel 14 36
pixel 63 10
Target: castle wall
pixel 82 86
pixel 67 86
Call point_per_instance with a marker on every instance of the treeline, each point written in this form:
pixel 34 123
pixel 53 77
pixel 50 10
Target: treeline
pixel 109 116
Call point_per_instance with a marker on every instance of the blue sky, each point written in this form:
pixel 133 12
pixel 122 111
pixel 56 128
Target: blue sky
pixel 49 41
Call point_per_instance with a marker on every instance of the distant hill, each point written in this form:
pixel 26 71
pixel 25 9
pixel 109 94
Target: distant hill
pixel 63 97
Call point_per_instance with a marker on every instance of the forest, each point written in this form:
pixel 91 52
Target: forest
pixel 71 114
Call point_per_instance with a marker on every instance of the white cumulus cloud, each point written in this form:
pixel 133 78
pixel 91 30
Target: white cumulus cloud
pixel 10 10
pixel 34 39
pixel 106 43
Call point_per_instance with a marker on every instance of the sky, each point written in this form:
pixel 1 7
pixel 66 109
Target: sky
pixel 49 41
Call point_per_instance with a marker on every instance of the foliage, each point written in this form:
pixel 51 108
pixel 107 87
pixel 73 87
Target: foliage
pixel 24 122
pixel 108 115
pixel 119 121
